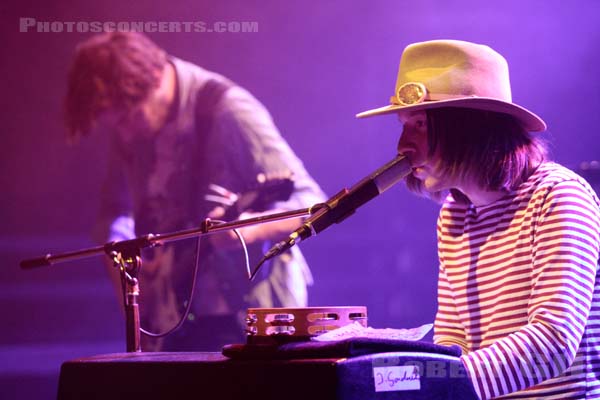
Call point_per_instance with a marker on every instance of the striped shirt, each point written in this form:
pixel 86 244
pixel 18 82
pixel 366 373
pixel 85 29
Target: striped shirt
pixel 518 288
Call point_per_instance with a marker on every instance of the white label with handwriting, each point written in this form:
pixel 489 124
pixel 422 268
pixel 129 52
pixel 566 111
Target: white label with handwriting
pixel 396 378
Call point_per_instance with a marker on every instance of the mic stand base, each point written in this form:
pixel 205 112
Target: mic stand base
pixel 129 266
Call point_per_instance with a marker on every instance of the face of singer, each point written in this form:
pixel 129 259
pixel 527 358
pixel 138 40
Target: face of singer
pixel 414 145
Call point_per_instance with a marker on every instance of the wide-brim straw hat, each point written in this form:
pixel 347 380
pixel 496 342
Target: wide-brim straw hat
pixel 454 73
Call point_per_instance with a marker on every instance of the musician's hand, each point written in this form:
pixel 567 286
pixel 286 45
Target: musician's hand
pixel 228 240
pixel 216 213
pixel 273 231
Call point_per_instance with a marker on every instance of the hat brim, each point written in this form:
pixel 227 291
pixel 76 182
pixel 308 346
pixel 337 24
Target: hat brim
pixel 530 121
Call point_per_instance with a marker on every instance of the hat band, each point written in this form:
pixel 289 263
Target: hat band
pixel 412 93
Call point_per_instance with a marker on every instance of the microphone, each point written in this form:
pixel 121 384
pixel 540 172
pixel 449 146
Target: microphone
pixel 344 204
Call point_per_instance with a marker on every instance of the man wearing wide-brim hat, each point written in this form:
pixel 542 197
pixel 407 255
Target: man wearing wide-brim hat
pixel 518 235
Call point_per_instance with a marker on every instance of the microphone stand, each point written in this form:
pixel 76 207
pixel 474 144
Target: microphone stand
pixel 126 255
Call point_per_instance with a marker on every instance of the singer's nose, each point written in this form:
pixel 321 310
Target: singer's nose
pixel 405 147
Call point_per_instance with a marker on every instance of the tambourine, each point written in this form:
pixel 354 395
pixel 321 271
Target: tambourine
pixel 282 325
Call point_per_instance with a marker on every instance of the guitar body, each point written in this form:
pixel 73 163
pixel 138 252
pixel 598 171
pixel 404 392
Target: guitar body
pixel 166 284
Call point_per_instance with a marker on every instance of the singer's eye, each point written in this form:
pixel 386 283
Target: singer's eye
pixel 413 120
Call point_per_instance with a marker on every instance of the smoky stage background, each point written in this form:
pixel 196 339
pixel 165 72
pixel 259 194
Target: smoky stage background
pixel 314 65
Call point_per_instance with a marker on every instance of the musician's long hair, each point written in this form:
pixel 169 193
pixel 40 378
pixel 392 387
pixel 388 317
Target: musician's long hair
pixel 115 70
pixel 488 148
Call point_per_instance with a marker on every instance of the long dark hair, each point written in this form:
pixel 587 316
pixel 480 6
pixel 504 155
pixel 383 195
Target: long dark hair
pixel 110 70
pixel 491 149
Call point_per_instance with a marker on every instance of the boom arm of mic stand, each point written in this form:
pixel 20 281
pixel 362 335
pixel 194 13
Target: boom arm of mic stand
pixel 151 240
pixel 126 256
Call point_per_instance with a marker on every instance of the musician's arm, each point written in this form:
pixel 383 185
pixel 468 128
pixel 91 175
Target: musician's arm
pixel 115 221
pixel 254 146
pixel 448 329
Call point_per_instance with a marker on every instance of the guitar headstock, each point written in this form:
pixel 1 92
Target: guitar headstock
pixel 268 189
